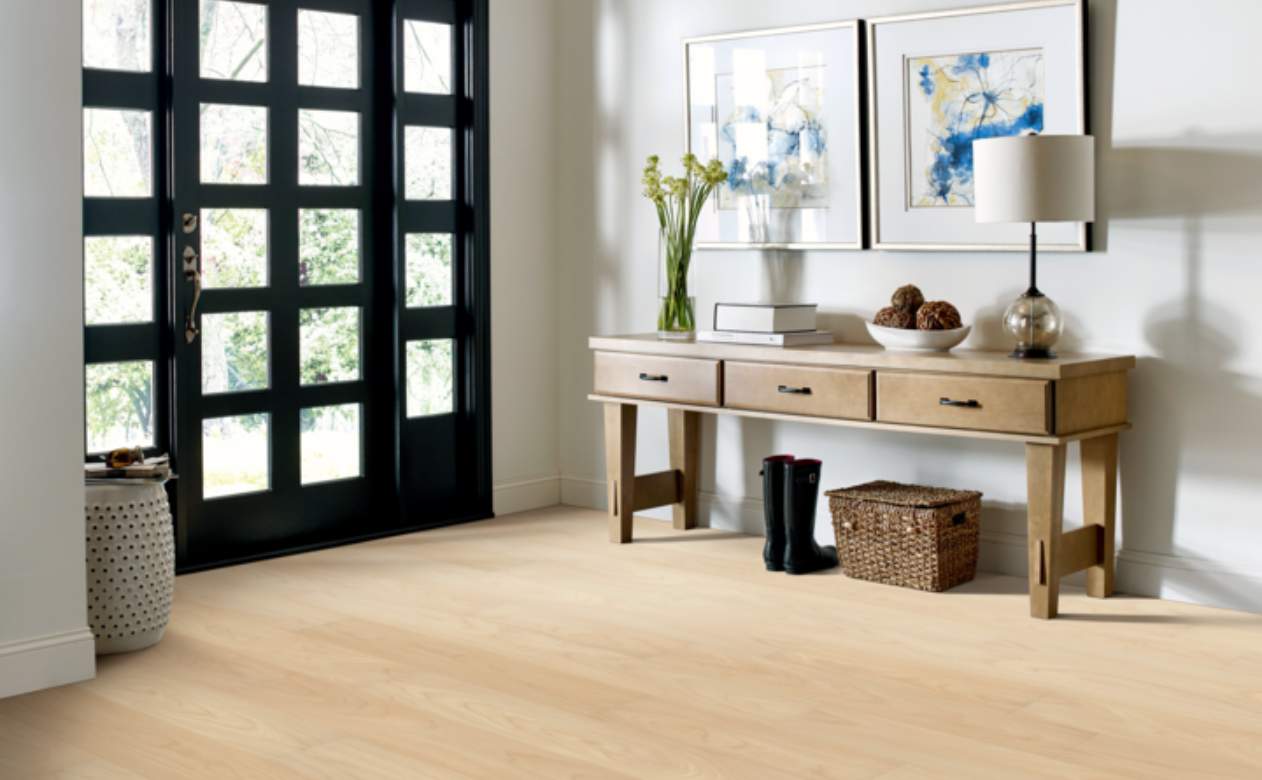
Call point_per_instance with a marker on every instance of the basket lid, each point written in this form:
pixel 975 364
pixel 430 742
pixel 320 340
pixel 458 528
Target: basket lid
pixel 905 495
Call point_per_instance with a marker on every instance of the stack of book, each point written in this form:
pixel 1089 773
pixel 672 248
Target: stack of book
pixel 773 324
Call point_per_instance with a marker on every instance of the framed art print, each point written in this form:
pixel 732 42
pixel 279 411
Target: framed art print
pixel 781 109
pixel 937 82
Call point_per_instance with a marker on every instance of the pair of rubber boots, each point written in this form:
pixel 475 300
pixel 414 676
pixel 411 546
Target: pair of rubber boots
pixel 790 490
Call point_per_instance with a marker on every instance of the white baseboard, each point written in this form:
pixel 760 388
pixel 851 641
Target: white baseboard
pixel 44 662
pixel 580 491
pixel 527 494
pixel 1193 580
pixel 1172 577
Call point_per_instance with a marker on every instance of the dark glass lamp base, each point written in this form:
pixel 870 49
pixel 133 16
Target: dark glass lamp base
pixel 1032 353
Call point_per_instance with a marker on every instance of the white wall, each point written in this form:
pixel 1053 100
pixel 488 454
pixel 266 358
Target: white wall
pixel 1179 239
pixel 523 255
pixel 44 639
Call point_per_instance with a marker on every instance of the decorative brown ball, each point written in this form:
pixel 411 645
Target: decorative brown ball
pixel 908 297
pixel 938 315
pixel 891 317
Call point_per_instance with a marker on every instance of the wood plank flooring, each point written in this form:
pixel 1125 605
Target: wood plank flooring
pixel 529 647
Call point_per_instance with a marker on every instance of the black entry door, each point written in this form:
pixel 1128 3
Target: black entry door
pixel 286 263
pixel 329 315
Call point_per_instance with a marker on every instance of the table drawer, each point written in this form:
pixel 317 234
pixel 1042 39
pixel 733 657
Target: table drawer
pixel 818 392
pixel 978 403
pixel 682 380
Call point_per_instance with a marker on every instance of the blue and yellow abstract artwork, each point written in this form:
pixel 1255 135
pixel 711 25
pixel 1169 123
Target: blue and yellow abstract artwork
pixel 774 142
pixel 956 99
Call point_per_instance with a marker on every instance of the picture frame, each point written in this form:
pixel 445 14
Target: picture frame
pixel 798 185
pixel 1002 70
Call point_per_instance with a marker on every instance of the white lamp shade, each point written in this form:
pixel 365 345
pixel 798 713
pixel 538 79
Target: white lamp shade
pixel 1034 178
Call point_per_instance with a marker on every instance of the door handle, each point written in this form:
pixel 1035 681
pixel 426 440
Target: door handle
pixel 794 390
pixel 193 273
pixel 969 404
pixel 653 378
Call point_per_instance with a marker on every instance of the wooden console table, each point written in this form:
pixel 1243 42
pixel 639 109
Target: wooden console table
pixel 1044 405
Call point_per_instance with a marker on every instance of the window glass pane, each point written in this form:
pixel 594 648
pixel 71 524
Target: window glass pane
pixel 328 345
pixel 426 57
pixel 328 147
pixel 117 279
pixel 328 49
pixel 330 443
pixel 328 246
pixel 427 161
pixel 235 455
pixel 234 248
pixel 233 144
pixel 234 351
pixel 116 35
pixel 117 161
pixel 233 41
pixel 428 269
pixel 119 408
pixel 429 377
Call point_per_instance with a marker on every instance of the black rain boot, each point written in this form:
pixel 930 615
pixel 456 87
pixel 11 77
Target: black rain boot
pixel 773 509
pixel 801 492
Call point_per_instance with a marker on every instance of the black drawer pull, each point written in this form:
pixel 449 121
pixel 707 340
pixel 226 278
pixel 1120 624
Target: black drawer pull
pixel 969 404
pixel 794 390
pixel 653 378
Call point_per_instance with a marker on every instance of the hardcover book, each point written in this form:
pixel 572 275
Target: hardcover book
pixel 765 317
pixel 799 339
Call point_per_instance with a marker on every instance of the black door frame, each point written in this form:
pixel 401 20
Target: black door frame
pixel 423 467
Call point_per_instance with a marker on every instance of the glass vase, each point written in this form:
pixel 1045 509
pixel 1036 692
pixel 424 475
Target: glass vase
pixel 677 317
pixel 677 310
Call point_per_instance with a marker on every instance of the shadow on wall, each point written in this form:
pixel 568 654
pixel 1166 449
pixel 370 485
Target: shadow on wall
pixel 1194 416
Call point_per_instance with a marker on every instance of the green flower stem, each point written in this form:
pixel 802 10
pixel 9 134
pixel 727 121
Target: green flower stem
pixel 679 201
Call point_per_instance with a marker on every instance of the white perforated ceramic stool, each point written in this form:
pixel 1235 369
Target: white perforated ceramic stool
pixel 130 565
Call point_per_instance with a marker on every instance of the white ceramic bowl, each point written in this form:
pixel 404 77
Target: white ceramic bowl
pixel 918 340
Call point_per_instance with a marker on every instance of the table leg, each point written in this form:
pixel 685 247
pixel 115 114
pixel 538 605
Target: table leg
pixel 620 468
pixel 1045 486
pixel 1099 507
pixel 685 452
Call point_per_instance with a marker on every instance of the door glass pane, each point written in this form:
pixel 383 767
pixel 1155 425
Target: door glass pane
pixel 428 269
pixel 328 246
pixel 328 49
pixel 233 144
pixel 233 41
pixel 426 57
pixel 234 248
pixel 330 443
pixel 328 147
pixel 116 35
pixel 119 409
pixel 429 377
pixel 117 162
pixel 234 351
pixel 427 163
pixel 328 345
pixel 235 455
pixel 117 279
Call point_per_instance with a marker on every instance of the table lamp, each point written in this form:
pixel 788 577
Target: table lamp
pixel 1034 178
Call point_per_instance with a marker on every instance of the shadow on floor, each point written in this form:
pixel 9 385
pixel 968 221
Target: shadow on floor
pixel 696 535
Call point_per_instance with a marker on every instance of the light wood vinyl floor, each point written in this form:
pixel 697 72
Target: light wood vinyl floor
pixel 529 647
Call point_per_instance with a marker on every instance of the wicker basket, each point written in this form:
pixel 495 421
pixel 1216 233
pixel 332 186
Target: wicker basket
pixel 908 535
